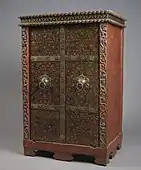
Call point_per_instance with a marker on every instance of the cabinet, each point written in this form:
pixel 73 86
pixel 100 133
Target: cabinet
pixel 72 68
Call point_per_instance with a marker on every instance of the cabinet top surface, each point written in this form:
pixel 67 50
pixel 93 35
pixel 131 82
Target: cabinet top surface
pixel 73 17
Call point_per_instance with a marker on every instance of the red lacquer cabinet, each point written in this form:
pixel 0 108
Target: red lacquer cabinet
pixel 72 76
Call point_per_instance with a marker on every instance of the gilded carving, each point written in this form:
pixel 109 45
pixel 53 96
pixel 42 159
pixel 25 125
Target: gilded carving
pixel 103 87
pixel 74 18
pixel 25 81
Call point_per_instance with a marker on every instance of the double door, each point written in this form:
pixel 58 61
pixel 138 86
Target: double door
pixel 64 84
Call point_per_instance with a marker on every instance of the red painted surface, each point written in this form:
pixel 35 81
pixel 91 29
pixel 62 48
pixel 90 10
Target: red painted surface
pixel 28 69
pixel 114 107
pixel 114 81
pixel 74 149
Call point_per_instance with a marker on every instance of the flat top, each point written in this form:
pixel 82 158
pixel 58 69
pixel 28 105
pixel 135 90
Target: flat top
pixel 102 12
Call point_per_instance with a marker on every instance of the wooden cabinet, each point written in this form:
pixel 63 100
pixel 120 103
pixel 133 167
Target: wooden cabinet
pixel 72 84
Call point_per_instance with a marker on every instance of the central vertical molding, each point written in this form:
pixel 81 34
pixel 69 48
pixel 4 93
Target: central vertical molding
pixel 62 83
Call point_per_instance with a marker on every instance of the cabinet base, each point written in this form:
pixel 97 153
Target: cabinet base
pixel 66 152
pixel 62 156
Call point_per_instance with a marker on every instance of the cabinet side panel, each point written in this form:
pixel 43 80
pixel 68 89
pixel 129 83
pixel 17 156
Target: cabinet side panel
pixel 114 80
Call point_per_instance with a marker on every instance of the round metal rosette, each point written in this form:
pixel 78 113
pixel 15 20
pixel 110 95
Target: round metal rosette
pixel 82 82
pixel 44 82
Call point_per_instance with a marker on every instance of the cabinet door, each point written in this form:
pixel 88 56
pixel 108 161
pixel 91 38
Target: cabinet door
pixel 64 84
pixel 45 83
pixel 82 84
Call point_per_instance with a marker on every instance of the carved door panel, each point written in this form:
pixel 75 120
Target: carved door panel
pixel 45 83
pixel 64 84
pixel 82 84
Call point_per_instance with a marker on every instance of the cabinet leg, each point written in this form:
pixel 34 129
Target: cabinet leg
pixel 119 147
pixel 101 161
pixel 29 152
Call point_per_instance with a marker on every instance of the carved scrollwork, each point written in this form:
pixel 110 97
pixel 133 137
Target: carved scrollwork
pixel 25 81
pixel 103 88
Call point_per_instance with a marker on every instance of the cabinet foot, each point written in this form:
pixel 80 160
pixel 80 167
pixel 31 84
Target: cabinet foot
pixel 29 152
pixel 119 146
pixel 101 161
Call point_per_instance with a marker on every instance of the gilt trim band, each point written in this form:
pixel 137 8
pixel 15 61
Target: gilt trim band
pixel 74 17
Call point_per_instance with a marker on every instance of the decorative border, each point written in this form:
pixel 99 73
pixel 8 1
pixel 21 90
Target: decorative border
pixel 25 82
pixel 103 86
pixel 74 17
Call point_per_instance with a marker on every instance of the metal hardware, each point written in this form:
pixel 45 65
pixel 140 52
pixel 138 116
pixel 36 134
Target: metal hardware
pixel 45 82
pixel 82 81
